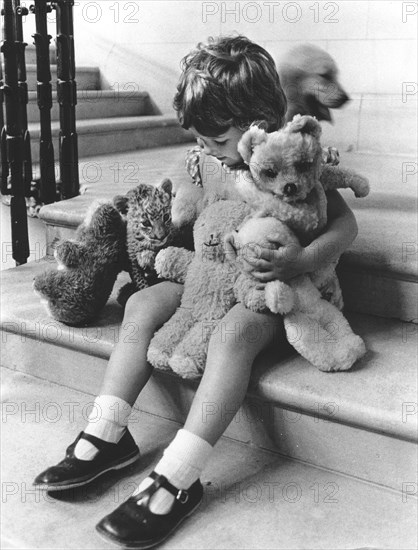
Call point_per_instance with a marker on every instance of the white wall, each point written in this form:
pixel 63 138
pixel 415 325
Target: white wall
pixel 139 45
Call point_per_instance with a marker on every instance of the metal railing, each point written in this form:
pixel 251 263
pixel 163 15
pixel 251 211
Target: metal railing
pixel 16 163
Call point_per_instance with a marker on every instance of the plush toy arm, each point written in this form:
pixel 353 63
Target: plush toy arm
pixel 172 263
pixel 290 214
pixel 335 177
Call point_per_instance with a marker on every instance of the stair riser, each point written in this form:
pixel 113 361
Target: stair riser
pixel 98 107
pixel 364 292
pixel 30 55
pixel 118 141
pixel 369 456
pixel 85 79
pixel 375 294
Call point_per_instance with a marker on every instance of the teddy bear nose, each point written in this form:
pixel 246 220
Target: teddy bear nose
pixel 290 189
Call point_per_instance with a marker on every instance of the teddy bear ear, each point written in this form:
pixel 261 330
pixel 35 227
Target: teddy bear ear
pixel 166 186
pixel 251 138
pixel 120 202
pixel 305 125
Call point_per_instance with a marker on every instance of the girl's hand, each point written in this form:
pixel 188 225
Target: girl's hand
pixel 282 262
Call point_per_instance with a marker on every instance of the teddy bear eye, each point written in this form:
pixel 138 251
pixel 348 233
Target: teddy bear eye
pixel 270 173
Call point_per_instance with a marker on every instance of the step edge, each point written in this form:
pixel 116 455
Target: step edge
pixel 350 264
pixel 32 67
pixel 107 94
pixel 106 125
pixel 260 391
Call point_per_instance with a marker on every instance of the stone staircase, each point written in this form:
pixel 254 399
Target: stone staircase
pixel 314 460
pixel 108 120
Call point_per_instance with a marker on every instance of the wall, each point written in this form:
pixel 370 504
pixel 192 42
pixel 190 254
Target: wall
pixel 138 45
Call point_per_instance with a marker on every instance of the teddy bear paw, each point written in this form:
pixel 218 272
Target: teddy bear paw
pixel 362 188
pixel 185 366
pixel 280 298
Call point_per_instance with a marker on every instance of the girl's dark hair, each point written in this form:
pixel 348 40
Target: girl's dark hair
pixel 229 82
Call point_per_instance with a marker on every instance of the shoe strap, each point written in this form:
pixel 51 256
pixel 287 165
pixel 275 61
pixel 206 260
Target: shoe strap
pixel 100 444
pixel 161 481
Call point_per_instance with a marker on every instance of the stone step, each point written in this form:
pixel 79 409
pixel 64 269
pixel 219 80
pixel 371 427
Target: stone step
pixel 379 271
pixel 98 104
pixel 106 136
pixel 87 78
pixel 30 54
pixel 293 504
pixel 291 408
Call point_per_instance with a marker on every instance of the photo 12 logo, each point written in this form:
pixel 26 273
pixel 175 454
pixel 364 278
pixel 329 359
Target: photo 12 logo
pixel 270 12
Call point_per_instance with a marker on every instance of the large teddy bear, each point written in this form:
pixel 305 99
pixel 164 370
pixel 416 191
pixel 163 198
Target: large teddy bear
pixel 286 179
pixel 124 234
pixel 209 278
pixel 214 282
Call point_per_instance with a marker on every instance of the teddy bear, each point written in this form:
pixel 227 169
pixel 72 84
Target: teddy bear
pixel 124 234
pixel 315 327
pixel 87 268
pixel 288 180
pixel 208 278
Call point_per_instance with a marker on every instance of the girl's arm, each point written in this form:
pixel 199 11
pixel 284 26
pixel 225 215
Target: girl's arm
pixel 287 262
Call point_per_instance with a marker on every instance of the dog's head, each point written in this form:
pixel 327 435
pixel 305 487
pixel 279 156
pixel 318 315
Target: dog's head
pixel 309 77
pixel 285 164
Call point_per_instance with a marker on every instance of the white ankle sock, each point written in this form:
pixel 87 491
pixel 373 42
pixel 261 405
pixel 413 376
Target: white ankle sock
pixel 107 420
pixel 182 463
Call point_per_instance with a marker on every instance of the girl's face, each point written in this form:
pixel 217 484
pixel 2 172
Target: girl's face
pixel 223 147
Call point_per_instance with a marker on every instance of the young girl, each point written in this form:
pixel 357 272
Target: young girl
pixel 225 86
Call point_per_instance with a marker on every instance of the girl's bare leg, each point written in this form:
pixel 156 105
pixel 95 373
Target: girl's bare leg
pixel 128 370
pixel 233 346
pixel 240 337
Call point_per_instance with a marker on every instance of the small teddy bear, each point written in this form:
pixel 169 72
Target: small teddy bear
pixel 315 328
pixel 287 177
pixel 87 268
pixel 181 344
pixel 123 235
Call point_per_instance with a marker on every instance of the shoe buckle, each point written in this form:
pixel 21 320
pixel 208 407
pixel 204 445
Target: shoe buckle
pixel 182 496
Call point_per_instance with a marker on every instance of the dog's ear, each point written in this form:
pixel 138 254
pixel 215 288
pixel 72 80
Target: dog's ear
pixel 251 138
pixel 305 125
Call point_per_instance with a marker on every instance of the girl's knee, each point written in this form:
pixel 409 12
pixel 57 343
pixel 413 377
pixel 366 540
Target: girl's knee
pixel 152 306
pixel 243 331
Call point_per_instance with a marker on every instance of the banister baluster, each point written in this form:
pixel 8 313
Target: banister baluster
pixel 67 98
pixel 14 139
pixel 23 94
pixel 44 96
pixel 4 165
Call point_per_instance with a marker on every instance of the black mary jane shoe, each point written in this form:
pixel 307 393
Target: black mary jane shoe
pixel 133 525
pixel 73 472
